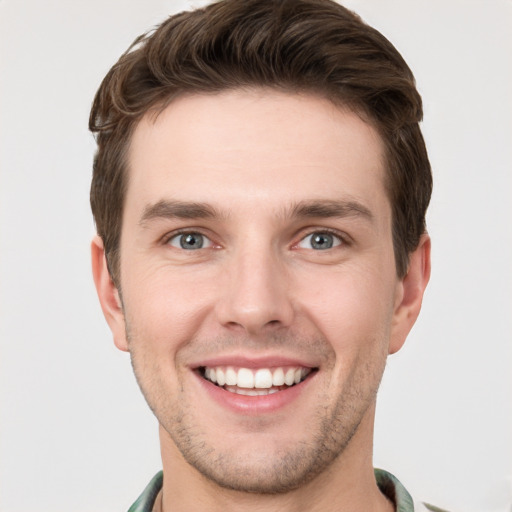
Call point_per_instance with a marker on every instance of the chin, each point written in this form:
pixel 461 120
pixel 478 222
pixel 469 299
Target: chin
pixel 267 474
pixel 268 463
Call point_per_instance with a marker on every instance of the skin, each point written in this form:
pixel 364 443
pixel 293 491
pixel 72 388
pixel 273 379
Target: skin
pixel 269 169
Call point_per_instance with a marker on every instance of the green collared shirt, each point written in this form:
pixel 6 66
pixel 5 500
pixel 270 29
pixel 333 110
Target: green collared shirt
pixel 389 485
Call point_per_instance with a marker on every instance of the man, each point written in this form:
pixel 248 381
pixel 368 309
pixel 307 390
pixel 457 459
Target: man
pixel 259 192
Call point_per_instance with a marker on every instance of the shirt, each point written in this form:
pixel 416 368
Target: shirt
pixel 388 484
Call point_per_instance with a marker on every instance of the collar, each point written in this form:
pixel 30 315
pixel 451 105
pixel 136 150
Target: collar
pixel 389 485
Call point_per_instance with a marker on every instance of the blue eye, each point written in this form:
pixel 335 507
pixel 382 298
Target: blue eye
pixel 320 241
pixel 190 241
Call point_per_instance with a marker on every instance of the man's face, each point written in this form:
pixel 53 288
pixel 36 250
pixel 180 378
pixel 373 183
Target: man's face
pixel 256 251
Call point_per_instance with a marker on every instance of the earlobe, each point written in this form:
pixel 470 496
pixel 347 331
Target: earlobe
pixel 410 294
pixel 108 294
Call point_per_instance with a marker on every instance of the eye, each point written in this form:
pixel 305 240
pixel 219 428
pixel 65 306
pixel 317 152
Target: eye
pixel 320 241
pixel 190 241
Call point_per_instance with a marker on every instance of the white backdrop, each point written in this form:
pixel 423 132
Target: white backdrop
pixel 75 433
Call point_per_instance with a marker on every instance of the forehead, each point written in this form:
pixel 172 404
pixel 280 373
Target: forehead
pixel 259 146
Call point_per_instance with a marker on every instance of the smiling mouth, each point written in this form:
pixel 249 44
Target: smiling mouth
pixel 255 382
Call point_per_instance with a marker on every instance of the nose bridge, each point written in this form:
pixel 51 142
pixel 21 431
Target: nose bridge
pixel 256 294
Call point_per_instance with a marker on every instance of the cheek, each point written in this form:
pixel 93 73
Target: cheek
pixel 351 306
pixel 165 307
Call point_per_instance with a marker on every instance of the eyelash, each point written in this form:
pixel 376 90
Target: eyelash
pixel 180 232
pixel 343 238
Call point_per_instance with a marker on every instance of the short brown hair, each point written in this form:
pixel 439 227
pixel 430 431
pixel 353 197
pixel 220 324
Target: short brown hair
pixel 311 46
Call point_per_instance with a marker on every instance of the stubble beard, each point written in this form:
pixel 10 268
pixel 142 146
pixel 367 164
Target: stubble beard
pixel 284 472
pixel 332 427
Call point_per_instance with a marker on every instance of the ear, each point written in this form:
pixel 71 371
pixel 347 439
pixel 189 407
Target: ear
pixel 409 294
pixel 108 294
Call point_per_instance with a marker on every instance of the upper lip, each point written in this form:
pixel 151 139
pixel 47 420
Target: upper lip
pixel 246 361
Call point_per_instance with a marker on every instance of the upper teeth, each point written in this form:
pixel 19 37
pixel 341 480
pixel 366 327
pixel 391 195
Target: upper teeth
pixel 261 378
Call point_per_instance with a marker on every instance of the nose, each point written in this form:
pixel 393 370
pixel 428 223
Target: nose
pixel 255 293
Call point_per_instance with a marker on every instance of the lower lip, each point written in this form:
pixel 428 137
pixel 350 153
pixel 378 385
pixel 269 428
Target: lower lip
pixel 253 405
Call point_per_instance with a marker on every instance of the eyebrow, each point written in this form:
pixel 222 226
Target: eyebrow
pixel 166 209
pixel 172 209
pixel 330 208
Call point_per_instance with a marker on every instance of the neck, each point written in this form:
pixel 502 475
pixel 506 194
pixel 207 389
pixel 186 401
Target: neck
pixel 348 484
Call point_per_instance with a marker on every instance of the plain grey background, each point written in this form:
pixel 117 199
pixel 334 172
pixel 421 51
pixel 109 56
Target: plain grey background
pixel 75 433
